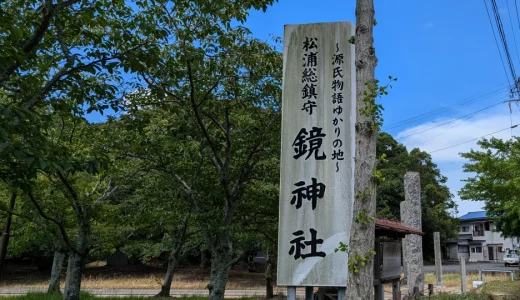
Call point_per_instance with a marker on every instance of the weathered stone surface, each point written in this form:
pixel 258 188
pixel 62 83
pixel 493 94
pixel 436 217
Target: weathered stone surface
pixel 404 241
pixel 414 262
pixel 411 215
pixel 412 197
pixel 463 282
pixel 438 257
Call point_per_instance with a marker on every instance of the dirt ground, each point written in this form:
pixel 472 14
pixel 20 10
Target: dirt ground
pixel 101 276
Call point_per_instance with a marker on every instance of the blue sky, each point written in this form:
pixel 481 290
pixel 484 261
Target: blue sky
pixel 442 52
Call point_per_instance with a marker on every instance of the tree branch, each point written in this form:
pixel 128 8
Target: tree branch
pixel 65 71
pixel 216 156
pixel 96 186
pixel 246 166
pixel 58 223
pixel 69 187
pixel 215 121
pixel 65 4
pixel 160 167
pixel 107 193
pixel 208 92
pixel 49 11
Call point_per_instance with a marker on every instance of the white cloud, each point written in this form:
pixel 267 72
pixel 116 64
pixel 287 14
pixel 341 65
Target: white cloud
pixel 457 132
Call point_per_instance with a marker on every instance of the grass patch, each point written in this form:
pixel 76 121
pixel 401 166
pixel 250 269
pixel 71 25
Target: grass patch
pixel 452 280
pixel 498 289
pixel 468 296
pixel 502 287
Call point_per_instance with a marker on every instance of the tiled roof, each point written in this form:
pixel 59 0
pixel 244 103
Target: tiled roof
pixel 396 226
pixel 474 215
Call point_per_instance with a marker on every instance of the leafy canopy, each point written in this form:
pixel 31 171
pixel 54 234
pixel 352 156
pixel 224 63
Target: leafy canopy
pixel 496 181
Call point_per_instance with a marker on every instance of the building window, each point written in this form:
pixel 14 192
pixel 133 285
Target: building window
pixel 501 249
pixel 464 229
pixel 486 226
pixel 478 249
pixel 463 249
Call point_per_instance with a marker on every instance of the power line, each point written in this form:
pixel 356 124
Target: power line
pixel 461 121
pixel 496 42
pixel 517 16
pixel 513 30
pixel 465 102
pixel 451 121
pixel 514 126
pixel 500 28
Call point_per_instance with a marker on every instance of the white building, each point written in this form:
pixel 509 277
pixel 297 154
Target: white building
pixel 479 241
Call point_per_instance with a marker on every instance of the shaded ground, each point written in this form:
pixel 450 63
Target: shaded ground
pixel 143 277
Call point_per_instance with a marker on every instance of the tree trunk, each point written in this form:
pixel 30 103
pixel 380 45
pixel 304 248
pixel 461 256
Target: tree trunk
pixel 77 260
pixel 73 279
pixel 220 265
pixel 360 284
pixel 168 277
pixel 7 231
pixel 270 271
pixel 57 266
pixel 204 259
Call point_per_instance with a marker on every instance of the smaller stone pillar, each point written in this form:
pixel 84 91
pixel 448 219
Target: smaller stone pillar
pixel 463 282
pixel 438 258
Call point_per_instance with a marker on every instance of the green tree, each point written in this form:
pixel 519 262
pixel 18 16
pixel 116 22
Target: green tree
pixel 158 207
pixel 495 181
pixel 58 56
pixel 437 203
pixel 228 83
pixel 72 196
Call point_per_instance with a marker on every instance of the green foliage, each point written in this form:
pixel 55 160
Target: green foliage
pixel 496 181
pixel 58 59
pixel 363 219
pixel 226 85
pixel 436 199
pixel 357 261
pixel 352 40
pixel 342 247
pixel 377 176
pixel 66 54
pixel 382 159
pixel 199 134
pixel 363 195
pixel 371 108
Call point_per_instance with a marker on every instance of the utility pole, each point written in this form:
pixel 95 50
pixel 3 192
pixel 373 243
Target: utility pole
pixel 360 282
pixel 5 235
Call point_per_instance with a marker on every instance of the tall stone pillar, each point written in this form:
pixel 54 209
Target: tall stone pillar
pixel 413 253
pixel 404 217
